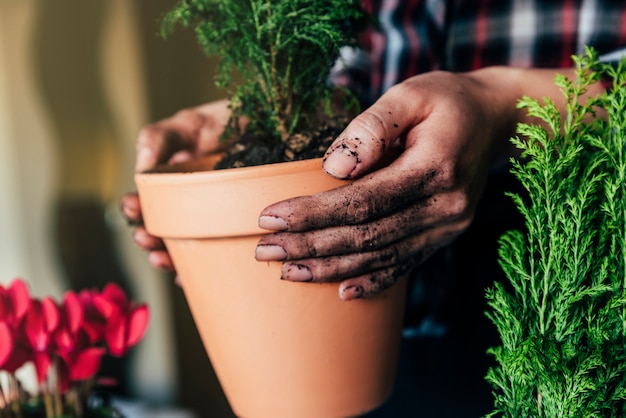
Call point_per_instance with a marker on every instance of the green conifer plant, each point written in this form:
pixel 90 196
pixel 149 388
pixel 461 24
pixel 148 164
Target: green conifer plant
pixel 275 60
pixel 562 315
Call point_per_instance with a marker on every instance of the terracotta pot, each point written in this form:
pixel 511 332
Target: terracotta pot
pixel 279 349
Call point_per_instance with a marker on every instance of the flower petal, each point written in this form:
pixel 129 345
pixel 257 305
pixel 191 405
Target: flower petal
pixel 42 363
pixel 6 344
pixel 115 336
pixel 94 331
pixel 64 341
pixel 51 314
pixel 6 305
pixel 115 294
pixel 73 311
pixel 20 297
pixel 86 364
pixel 18 358
pixel 106 307
pixel 34 327
pixel 137 324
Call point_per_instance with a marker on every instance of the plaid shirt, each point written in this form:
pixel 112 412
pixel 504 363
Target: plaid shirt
pixel 416 36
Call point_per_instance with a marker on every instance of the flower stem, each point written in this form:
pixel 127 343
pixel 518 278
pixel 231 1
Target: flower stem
pixel 3 400
pixel 47 401
pixel 14 396
pixel 58 402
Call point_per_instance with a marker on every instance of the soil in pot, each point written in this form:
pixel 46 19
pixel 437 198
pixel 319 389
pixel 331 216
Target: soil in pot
pixel 253 149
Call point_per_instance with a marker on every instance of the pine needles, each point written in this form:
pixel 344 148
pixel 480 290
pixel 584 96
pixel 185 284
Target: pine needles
pixel 562 320
pixel 281 50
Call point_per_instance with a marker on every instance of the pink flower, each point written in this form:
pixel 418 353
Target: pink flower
pixel 14 304
pixel 73 335
pixel 126 322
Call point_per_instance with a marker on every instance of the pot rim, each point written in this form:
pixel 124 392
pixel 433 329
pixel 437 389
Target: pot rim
pixel 221 203
pixel 201 169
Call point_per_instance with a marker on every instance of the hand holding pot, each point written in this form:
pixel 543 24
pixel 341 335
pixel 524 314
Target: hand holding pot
pixel 187 134
pixel 451 129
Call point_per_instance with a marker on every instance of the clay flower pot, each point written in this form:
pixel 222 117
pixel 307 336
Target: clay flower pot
pixel 279 349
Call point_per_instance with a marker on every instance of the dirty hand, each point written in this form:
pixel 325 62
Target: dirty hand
pixel 187 134
pixel 450 128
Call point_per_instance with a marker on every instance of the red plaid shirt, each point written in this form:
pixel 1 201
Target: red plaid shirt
pixel 416 36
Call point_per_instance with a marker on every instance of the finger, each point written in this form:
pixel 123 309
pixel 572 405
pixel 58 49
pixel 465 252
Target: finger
pixel 371 136
pixel 181 157
pixel 346 239
pixel 146 241
pixel 131 209
pixel 334 269
pixel 370 285
pixel 365 200
pixel 161 260
pixel 414 250
pixel 156 143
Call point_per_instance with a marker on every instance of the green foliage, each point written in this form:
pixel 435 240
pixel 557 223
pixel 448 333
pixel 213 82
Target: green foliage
pixel 281 50
pixel 562 320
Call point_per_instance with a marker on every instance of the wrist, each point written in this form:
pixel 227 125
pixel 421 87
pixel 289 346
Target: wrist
pixel 503 87
pixel 499 89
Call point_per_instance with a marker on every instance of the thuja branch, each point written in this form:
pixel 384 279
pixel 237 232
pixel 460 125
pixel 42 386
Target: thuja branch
pixel 562 320
pixel 282 51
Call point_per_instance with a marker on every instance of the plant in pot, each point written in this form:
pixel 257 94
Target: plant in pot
pixel 279 349
pixel 562 315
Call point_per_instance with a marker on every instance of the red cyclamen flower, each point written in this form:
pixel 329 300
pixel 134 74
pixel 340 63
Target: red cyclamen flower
pixel 73 332
pixel 126 322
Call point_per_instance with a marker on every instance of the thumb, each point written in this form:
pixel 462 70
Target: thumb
pixel 369 139
pixel 146 160
pixel 152 145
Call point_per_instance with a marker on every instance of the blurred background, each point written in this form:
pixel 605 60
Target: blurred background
pixel 78 79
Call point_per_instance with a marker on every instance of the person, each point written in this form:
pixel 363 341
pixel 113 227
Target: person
pixel 441 79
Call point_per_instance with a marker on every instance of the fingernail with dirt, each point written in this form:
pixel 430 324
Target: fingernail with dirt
pixel 270 253
pixel 341 163
pixel 350 292
pixel 273 223
pixel 296 273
